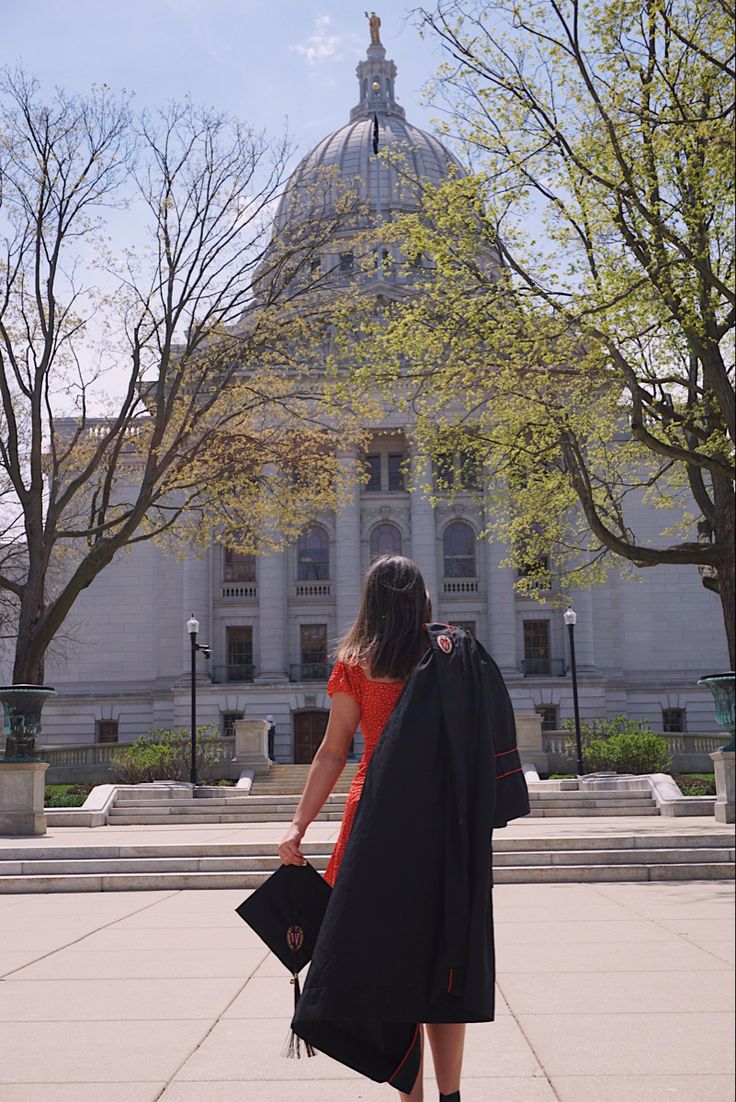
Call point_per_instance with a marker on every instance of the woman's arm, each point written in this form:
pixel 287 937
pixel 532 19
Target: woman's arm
pixel 328 764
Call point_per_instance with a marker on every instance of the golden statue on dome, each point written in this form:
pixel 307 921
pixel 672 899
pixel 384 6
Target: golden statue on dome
pixel 375 25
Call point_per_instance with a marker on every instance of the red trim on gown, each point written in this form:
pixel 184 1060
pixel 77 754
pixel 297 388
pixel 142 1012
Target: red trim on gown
pixel 377 700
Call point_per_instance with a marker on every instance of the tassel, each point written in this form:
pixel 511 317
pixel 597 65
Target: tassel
pixel 292 1049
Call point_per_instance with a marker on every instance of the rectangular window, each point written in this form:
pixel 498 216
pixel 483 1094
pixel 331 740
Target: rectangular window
pixel 239 567
pixel 396 471
pixel 470 471
pixel 444 472
pixel 373 462
pixel 106 730
pixel 536 647
pixel 346 262
pixel 313 651
pixel 673 720
pixel 467 625
pixel 239 653
pixel 228 721
pixel 548 712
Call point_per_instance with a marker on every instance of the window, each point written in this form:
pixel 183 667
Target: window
pixel 227 723
pixel 315 265
pixel 673 720
pixel 395 471
pixel 466 625
pixel 106 730
pixel 536 647
pixel 346 262
pixel 313 651
pixel 373 462
pixel 470 470
pixel 313 556
pixel 239 567
pixel 458 470
pixel 549 714
pixel 385 539
pixel 537 572
pixel 239 653
pixel 458 545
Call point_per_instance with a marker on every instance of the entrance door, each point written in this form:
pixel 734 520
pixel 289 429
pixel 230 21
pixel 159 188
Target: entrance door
pixel 309 729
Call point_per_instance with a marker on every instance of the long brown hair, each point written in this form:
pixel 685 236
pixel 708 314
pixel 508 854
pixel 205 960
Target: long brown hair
pixel 388 635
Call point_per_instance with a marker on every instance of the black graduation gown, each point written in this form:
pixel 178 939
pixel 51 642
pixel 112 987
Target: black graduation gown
pixel 407 936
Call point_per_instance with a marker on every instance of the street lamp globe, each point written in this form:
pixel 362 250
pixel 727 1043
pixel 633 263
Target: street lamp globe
pixel 193 625
pixel 570 618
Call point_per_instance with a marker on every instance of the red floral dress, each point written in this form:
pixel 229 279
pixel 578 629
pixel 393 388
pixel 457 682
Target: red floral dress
pixel 376 700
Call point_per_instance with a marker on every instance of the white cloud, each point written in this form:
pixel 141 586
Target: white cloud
pixel 324 44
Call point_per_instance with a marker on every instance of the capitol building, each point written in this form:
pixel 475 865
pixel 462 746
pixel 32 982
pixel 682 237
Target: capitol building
pixel 271 621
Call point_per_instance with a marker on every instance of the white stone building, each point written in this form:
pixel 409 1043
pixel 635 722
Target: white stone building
pixel 641 644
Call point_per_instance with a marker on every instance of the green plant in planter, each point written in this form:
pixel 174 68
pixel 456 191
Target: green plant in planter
pixel 164 755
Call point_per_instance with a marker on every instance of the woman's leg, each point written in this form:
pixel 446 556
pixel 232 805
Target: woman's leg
pixel 448 1041
pixel 417 1094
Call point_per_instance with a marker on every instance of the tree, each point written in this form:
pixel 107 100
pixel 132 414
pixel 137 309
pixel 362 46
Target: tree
pixel 213 326
pixel 576 331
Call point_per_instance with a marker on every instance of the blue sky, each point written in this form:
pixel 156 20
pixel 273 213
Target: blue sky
pixel 264 62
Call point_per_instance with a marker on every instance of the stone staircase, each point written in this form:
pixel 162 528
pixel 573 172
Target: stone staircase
pixel 244 865
pixel 274 799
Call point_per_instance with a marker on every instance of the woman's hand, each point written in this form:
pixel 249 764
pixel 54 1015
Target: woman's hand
pixel 289 851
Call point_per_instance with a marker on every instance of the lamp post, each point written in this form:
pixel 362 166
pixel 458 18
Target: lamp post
pixel 571 619
pixel 193 628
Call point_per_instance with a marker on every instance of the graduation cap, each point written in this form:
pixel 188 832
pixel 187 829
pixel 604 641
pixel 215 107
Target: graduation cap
pixel 286 912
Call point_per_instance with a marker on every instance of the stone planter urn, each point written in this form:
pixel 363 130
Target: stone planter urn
pixel 21 771
pixel 723 688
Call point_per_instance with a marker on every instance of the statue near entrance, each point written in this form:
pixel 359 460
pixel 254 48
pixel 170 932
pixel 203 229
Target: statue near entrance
pixel 375 25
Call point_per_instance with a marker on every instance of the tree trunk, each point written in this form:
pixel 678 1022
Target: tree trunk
pixel 725 532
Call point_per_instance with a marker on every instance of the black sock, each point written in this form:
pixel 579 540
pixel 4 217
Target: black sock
pixel 454 1097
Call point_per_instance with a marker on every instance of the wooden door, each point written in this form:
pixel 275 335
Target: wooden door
pixel 309 729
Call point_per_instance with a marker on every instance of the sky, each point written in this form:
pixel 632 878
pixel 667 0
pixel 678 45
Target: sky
pixel 266 62
pixel 278 64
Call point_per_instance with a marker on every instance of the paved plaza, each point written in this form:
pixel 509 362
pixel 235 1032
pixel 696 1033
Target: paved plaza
pixel 605 992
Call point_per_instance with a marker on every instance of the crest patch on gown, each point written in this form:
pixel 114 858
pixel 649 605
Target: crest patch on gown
pixel 445 643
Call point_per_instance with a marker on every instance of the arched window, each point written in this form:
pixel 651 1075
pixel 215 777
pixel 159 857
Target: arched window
pixel 385 538
pixel 313 555
pixel 458 545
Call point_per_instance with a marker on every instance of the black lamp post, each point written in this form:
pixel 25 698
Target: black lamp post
pixel 571 619
pixel 193 628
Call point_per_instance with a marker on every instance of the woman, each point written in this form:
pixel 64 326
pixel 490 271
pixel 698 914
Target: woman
pixel 392 647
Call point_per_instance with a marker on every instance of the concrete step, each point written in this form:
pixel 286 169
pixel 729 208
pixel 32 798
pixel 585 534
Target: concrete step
pixel 583 812
pixel 527 874
pixel 149 818
pixel 265 862
pixel 625 857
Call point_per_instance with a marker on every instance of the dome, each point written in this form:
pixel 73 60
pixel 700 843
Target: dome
pixel 347 157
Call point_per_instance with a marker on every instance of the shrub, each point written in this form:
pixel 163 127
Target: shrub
pixel 620 745
pixel 696 786
pixel 164 755
pixel 66 795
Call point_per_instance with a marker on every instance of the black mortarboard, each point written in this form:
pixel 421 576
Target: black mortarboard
pixel 286 912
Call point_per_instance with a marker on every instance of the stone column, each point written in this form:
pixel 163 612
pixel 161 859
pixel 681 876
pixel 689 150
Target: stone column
pixel 582 603
pixel 272 617
pixel 196 600
pixel 725 806
pixel 345 570
pixel 423 528
pixel 22 797
pixel 502 610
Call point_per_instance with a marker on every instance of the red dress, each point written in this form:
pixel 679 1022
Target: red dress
pixel 376 700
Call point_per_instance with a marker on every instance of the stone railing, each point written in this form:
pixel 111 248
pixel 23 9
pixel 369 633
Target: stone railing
pixel 690 750
pixel 92 762
pixel 239 591
pixel 313 589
